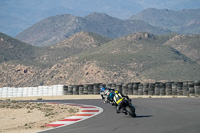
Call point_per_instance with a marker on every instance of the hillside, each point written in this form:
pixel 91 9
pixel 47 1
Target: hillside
pixel 57 28
pixel 142 57
pixel 75 44
pixel 13 49
pixel 187 45
pixel 185 21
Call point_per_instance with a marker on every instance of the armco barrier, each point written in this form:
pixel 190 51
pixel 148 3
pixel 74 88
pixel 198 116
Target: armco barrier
pixel 186 88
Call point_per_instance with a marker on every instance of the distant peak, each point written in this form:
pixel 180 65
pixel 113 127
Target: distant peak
pixel 98 16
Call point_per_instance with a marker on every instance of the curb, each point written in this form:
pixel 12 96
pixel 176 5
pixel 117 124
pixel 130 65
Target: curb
pixel 87 111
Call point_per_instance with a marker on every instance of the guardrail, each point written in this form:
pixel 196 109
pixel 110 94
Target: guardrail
pixel 187 88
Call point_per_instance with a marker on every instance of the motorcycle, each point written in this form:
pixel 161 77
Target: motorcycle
pixel 128 107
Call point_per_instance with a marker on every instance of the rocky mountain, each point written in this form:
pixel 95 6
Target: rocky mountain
pixel 15 15
pixel 137 57
pixel 185 21
pixel 57 28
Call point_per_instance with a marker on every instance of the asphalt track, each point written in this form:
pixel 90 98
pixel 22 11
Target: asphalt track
pixel 159 115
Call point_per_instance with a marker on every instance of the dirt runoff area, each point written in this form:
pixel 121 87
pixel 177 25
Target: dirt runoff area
pixel 25 117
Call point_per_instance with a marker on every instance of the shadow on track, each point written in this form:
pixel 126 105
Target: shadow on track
pixel 142 116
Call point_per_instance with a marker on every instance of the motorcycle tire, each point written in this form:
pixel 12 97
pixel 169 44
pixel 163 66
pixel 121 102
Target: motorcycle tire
pixel 130 111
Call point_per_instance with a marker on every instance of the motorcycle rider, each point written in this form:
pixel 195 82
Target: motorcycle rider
pixel 106 94
pixel 118 97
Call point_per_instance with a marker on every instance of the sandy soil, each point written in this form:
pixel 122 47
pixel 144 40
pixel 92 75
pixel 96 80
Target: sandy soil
pixel 18 117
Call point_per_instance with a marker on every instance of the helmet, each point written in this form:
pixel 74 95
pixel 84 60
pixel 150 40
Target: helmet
pixel 116 92
pixel 102 89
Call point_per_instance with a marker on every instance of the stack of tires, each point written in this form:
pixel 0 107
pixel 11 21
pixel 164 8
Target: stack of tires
pixel 157 88
pixel 81 88
pixel 174 88
pixel 35 91
pixel 168 88
pixel 97 88
pixel 140 89
pixel 75 89
pixel 130 89
pixel 162 89
pixel 125 89
pixel 197 87
pixel 145 88
pixel 136 88
pixel 185 89
pixel 191 88
pixel 151 89
pixel 70 90
pixel 180 88
pixel 119 87
pixel 90 89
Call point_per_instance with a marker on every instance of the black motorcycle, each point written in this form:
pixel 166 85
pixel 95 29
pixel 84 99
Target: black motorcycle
pixel 128 107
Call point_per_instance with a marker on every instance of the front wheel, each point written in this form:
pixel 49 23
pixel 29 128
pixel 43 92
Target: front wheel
pixel 131 111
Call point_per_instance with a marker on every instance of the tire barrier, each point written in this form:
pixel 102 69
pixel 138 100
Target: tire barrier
pixel 85 89
pixel 54 90
pixel 145 88
pixel 136 88
pixel 162 89
pixel 157 88
pixel 97 88
pixel 174 88
pixel 75 90
pixel 140 89
pixel 119 87
pixel 197 87
pixel 125 89
pixel 191 88
pixel 90 89
pixel 168 88
pixel 186 88
pixel 70 90
pixel 179 88
pixel 130 89
pixel 151 89
pixel 81 88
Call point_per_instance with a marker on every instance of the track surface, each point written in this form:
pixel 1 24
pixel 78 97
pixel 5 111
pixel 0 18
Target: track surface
pixel 173 115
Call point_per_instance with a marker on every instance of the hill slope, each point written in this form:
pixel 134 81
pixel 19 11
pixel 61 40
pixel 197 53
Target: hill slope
pixel 57 28
pixel 187 45
pixel 185 21
pixel 142 56
pixel 137 57
pixel 75 44
pixel 13 49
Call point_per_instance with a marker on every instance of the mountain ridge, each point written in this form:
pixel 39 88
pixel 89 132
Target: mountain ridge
pixel 56 28
pixel 183 22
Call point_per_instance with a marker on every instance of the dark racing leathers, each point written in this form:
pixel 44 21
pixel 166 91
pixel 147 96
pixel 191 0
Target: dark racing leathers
pixel 106 94
pixel 118 100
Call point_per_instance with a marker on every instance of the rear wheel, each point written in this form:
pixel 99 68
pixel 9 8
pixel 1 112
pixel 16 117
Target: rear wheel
pixel 131 111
